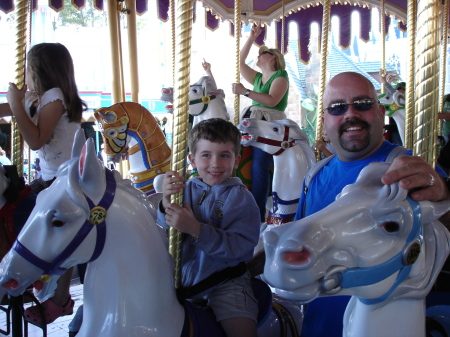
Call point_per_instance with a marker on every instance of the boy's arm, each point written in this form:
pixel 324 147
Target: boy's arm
pixel 238 234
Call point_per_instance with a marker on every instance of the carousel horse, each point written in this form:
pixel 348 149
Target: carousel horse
pixel 292 157
pixel 395 108
pixel 374 243
pixel 130 130
pixel 205 100
pixel 129 287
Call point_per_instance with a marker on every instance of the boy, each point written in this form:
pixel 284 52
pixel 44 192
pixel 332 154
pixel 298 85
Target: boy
pixel 222 220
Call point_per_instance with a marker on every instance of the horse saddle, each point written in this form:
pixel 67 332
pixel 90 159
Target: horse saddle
pixel 201 322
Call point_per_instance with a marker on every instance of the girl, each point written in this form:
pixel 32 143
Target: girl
pixel 48 123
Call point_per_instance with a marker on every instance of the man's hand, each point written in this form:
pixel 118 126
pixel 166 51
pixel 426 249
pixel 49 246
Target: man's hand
pixel 412 172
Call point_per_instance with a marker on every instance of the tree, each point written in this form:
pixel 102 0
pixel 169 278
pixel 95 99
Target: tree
pixel 86 17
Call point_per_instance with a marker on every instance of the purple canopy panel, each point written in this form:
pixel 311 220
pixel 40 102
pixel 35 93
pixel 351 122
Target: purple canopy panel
pixel 211 21
pixel 163 10
pixel 99 4
pixel 141 6
pixel 6 6
pixel 57 5
pixel 79 4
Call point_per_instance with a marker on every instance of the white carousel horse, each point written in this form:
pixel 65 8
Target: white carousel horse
pixel 129 130
pixel 129 288
pixel 205 100
pixel 292 156
pixel 373 243
pixel 395 108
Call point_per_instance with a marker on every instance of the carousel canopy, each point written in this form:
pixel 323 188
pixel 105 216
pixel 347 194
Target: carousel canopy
pixel 301 12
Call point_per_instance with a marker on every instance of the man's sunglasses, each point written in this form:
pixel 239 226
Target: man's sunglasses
pixel 265 52
pixel 337 109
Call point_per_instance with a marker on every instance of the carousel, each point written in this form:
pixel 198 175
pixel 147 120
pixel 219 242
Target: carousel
pixel 107 218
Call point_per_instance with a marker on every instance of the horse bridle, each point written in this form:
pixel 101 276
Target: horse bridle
pixel 401 262
pixel 206 99
pixel 282 144
pixel 96 219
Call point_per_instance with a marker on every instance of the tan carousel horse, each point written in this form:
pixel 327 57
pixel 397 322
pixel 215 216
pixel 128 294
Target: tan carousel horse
pixel 130 131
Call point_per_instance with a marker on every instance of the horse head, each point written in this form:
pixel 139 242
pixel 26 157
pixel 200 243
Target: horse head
pixel 368 243
pixel 62 212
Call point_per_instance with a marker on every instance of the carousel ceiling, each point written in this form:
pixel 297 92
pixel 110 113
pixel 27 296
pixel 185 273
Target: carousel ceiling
pixel 302 12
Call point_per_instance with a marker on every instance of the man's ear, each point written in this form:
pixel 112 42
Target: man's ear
pixel 192 159
pixel 382 109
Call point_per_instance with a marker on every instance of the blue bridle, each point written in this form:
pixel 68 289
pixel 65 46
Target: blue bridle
pixel 53 268
pixel 358 277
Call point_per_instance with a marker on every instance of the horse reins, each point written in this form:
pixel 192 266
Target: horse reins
pixel 282 144
pixel 206 99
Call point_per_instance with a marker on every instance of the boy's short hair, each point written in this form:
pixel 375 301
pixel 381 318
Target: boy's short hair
pixel 216 130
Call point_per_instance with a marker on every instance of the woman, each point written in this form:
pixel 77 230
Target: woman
pixel 269 100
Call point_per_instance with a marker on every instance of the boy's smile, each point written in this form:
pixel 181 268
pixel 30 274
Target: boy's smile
pixel 214 161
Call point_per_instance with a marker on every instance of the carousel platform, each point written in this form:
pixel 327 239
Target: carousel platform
pixel 58 328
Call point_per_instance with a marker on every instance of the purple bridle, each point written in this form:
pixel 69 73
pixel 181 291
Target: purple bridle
pixel 53 268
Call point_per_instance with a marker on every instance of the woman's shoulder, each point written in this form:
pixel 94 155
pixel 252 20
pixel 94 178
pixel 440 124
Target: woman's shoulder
pixel 282 73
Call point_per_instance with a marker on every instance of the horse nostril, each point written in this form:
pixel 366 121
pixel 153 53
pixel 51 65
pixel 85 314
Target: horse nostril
pixel 246 123
pixel 301 257
pixel 11 284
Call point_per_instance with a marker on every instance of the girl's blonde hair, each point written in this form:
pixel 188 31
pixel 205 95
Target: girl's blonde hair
pixel 53 68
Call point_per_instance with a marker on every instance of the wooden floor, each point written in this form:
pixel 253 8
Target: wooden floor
pixel 58 328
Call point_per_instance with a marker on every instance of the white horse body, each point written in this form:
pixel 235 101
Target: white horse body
pixel 205 100
pixel 365 244
pixel 292 158
pixel 129 288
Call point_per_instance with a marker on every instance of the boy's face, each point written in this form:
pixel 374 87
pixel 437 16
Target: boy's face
pixel 214 161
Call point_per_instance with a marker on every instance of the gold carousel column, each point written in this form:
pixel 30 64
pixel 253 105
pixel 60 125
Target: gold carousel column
pixel 132 50
pixel 427 80
pixel 410 84
pixel 443 63
pixel 21 46
pixel 323 68
pixel 383 40
pixel 180 123
pixel 237 39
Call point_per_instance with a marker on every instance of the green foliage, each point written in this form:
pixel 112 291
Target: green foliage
pixel 310 104
pixel 86 17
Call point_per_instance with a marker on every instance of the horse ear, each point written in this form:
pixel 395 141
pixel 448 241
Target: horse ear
pixel 78 143
pixel 90 169
pixel 433 210
pixel 109 117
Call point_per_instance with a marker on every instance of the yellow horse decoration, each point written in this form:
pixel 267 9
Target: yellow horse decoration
pixel 129 130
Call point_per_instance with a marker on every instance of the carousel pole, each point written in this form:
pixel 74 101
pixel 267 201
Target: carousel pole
pixel 410 84
pixel 22 11
pixel 172 25
pixel 180 124
pixel 427 80
pixel 443 62
pixel 132 49
pixel 282 26
pixel 383 40
pixel 237 39
pixel 323 68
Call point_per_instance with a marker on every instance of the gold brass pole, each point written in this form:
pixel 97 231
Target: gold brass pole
pixel 172 25
pixel 443 62
pixel 132 50
pixel 383 40
pixel 410 84
pixel 114 34
pixel 21 46
pixel 323 68
pixel 237 39
pixel 180 123
pixel 427 80
pixel 282 26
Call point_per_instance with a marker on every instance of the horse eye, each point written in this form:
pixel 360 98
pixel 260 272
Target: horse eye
pixel 58 223
pixel 390 226
pixel 194 91
pixel 111 133
pixel 275 129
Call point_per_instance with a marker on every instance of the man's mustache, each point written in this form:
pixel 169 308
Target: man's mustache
pixel 352 123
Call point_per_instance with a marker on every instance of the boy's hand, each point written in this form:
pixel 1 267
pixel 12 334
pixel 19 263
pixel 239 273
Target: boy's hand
pixel 172 184
pixel 182 219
